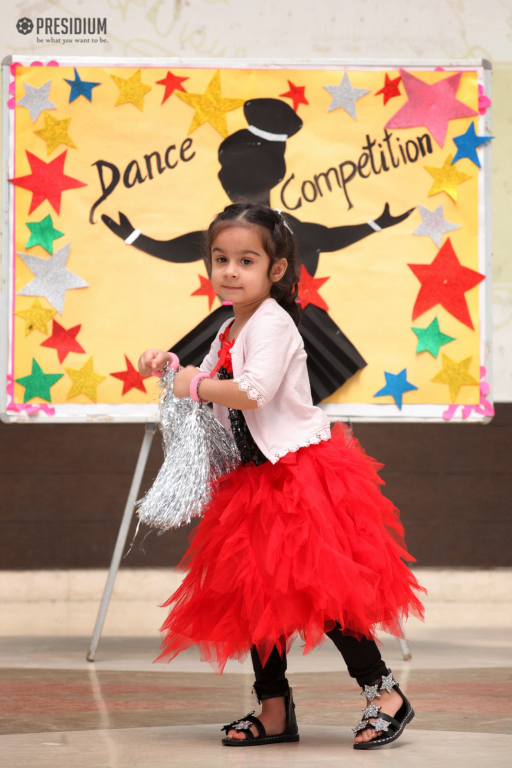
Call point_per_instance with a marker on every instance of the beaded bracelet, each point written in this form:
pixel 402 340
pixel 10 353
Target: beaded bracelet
pixel 194 384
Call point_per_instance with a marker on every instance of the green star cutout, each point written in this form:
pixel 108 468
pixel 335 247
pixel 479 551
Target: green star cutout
pixel 43 233
pixel 431 338
pixel 38 383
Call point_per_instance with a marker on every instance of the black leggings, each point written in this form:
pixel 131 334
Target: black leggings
pixel 362 658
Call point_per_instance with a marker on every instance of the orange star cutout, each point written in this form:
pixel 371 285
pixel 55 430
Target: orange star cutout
pixel 47 181
pixel 131 378
pixel 206 289
pixel 296 93
pixel 308 289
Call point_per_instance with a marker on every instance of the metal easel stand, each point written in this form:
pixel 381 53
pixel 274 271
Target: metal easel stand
pixel 404 645
pixel 121 538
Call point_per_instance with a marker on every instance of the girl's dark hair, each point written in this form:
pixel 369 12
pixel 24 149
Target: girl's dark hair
pixel 278 242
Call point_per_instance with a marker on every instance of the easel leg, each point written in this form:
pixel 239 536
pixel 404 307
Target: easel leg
pixel 404 645
pixel 121 538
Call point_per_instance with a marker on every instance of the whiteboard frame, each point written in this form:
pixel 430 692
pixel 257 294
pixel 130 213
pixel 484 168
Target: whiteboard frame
pixel 83 413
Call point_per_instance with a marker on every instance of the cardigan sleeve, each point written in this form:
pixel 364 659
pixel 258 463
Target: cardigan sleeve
pixel 270 344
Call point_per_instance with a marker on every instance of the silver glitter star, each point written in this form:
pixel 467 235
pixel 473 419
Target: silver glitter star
pixel 381 725
pixel 388 682
pixel 371 711
pixel 345 96
pixel 360 726
pixel 52 279
pixel 242 724
pixel 36 100
pixel 434 224
pixel 371 691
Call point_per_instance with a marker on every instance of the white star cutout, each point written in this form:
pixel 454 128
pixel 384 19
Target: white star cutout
pixel 434 224
pixel 36 100
pixel 52 279
pixel 345 96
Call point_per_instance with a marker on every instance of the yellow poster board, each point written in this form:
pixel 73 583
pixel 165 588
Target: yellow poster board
pixel 113 169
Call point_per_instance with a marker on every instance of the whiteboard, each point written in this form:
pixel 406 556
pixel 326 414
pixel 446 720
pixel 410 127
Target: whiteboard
pixel 319 200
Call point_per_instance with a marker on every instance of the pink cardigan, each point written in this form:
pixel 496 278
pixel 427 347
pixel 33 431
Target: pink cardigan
pixel 269 364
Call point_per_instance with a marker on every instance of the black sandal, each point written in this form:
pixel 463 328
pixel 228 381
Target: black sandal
pixel 290 733
pixel 392 727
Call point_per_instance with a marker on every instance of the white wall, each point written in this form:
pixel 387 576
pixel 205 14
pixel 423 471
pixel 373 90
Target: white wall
pixel 427 29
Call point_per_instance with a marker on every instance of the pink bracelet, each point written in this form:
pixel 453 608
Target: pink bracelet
pixel 174 364
pixel 194 384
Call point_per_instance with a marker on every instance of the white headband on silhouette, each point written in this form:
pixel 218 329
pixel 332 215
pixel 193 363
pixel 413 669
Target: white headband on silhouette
pixel 266 135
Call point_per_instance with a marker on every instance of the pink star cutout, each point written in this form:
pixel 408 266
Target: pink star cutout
pixel 430 105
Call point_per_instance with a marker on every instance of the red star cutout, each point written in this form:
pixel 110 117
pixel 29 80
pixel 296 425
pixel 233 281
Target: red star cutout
pixel 172 83
pixel 308 289
pixel 206 289
pixel 390 89
pixel 131 378
pixel 445 282
pixel 296 93
pixel 430 105
pixel 63 340
pixel 47 181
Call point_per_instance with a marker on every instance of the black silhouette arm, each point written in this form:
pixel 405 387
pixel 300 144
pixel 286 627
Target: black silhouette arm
pixel 335 238
pixel 181 250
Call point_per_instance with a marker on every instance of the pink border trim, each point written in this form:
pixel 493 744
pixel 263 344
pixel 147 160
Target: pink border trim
pixel 484 407
pixel 29 408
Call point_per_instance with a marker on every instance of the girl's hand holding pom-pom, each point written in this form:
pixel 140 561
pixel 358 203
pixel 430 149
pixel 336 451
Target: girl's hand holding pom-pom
pixel 152 361
pixel 183 379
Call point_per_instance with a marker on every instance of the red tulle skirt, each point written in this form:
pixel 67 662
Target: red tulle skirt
pixel 287 550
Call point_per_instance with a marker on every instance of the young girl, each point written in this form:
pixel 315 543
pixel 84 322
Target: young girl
pixel 299 539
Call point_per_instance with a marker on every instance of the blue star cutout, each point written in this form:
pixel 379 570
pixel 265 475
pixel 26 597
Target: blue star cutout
pixel 396 385
pixel 80 88
pixel 467 143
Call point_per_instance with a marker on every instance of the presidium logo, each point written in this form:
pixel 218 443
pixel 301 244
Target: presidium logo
pixel 25 26
pixel 68 25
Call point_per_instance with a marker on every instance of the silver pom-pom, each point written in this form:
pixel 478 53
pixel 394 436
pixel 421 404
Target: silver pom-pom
pixel 197 452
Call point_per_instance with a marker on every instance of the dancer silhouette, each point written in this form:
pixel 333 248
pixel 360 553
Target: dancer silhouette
pixel 252 164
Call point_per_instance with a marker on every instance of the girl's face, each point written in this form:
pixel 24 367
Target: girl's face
pixel 240 266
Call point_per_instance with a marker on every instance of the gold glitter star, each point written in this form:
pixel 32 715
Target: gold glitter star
pixel 36 317
pixel 84 380
pixel 132 90
pixel 55 132
pixel 210 106
pixel 446 178
pixel 455 375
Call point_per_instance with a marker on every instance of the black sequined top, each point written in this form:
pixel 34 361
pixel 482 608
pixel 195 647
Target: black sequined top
pixel 245 443
pixel 247 448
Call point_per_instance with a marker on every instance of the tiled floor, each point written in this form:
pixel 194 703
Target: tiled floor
pixel 122 711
